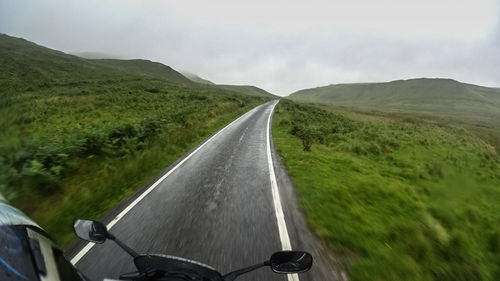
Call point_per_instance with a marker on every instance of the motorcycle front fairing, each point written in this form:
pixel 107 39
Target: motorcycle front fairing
pixel 176 267
pixel 165 267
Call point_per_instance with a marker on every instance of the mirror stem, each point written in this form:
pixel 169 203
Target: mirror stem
pixel 122 245
pixel 232 275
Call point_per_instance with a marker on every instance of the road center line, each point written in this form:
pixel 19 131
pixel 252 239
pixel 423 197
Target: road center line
pixel 89 245
pixel 280 216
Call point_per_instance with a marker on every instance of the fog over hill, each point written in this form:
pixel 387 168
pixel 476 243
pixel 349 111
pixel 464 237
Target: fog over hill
pixel 280 46
pixel 196 78
pixel 97 55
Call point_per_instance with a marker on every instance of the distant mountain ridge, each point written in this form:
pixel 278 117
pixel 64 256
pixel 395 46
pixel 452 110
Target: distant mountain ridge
pixel 25 63
pixel 246 89
pixel 250 90
pixel 420 90
pixel 435 96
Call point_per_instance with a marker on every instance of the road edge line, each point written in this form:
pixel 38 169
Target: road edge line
pixel 89 245
pixel 278 209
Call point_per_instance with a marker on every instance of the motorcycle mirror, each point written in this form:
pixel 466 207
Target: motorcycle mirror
pixel 92 231
pixel 291 262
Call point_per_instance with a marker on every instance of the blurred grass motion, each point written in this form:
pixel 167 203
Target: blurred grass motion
pixel 397 198
pixel 78 136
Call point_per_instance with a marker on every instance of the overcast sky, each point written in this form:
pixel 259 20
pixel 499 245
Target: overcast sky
pixel 281 46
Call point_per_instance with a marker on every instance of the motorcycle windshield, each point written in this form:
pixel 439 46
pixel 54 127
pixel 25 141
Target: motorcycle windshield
pixel 12 216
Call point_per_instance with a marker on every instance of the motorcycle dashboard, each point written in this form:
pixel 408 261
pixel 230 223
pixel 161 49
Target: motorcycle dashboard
pixel 177 268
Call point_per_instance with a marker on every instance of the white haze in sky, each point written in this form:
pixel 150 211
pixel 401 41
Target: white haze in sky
pixel 281 46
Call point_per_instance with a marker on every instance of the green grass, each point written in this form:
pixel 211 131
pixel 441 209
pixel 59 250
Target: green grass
pixel 78 136
pixel 396 198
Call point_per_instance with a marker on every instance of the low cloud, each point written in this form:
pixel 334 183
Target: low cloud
pixel 280 46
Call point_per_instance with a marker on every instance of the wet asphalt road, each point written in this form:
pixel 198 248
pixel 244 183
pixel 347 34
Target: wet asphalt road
pixel 216 208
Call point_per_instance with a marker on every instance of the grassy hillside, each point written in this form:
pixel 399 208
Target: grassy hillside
pixel 396 198
pixel 445 98
pixel 77 136
pixel 243 89
pixel 26 65
pixel 146 68
pixel 249 90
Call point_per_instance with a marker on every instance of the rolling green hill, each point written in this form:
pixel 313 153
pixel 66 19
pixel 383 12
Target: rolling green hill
pixel 249 90
pixel 146 68
pixel 77 136
pixel 25 64
pixel 243 89
pixel 436 97
pixel 45 67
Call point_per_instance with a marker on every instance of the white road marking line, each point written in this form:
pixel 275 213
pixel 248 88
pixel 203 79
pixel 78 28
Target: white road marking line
pixel 280 216
pixel 89 245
